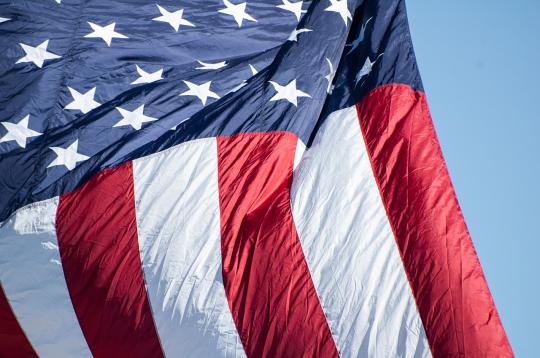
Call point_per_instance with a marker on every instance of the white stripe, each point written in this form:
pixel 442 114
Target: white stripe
pixel 350 249
pixel 298 153
pixel 177 204
pixel 34 283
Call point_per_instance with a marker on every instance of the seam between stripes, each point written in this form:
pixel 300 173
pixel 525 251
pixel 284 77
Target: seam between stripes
pixel 140 259
pixel 220 209
pixel 265 134
pixel 229 305
pixel 425 109
pixel 304 254
pixel 375 176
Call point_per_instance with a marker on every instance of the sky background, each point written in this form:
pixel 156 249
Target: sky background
pixel 480 63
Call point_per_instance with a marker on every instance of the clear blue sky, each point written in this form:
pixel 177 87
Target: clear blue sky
pixel 480 62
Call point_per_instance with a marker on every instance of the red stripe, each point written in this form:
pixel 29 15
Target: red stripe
pixel 97 236
pixel 271 295
pixel 13 341
pixel 451 292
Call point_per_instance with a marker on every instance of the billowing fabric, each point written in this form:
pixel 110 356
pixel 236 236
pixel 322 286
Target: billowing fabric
pixel 227 179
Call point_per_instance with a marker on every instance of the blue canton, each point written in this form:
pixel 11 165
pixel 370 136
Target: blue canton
pixel 87 85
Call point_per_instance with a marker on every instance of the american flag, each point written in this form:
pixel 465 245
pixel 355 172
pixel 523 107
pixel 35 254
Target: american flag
pixel 227 178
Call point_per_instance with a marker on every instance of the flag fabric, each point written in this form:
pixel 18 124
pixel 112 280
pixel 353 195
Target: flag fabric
pixel 227 179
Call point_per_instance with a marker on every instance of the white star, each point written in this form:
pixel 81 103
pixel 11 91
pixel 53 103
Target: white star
pixel 202 92
pixel 330 76
pixel 243 83
pixel 106 33
pixel 83 102
pixel 18 132
pixel 4 19
pixel 253 70
pixel 296 32
pixel 238 11
pixel 288 92
pixel 294 7
pixel 37 54
pixel 173 18
pixel 147 77
pixel 68 157
pixel 135 118
pixel 360 37
pixel 340 6
pixel 367 68
pixel 211 66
